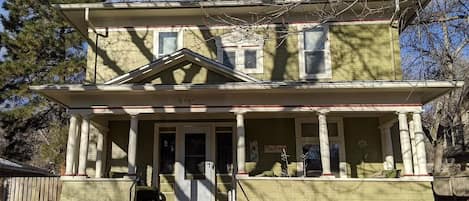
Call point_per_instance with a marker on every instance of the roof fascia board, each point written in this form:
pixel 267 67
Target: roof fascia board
pixel 176 58
pixel 257 86
pixel 188 4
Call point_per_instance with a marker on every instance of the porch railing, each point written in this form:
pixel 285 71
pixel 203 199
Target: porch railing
pixel 31 189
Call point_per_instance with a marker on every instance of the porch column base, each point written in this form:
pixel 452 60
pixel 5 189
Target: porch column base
pixel 67 177
pixel 81 176
pixel 130 176
pixel 242 175
pixel 327 176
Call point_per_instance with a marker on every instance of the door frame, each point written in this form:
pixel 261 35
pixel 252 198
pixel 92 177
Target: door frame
pixel 179 148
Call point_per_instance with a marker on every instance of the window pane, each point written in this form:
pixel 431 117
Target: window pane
pixel 229 58
pixel 194 156
pixel 224 153
pixel 315 39
pixel 167 43
pixel 312 159
pixel 312 130
pixel 314 62
pixel 250 59
pixel 309 130
pixel 167 153
pixel 334 152
pixel 332 129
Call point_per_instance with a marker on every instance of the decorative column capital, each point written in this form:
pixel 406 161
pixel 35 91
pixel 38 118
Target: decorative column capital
pixel 388 124
pixel 75 115
pixel 240 112
pixel 322 112
pixel 402 112
pixel 134 115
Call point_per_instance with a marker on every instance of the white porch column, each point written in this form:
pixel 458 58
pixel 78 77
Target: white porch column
pixel 324 145
pixel 100 153
pixel 77 149
pixel 71 145
pixel 84 142
pixel 387 150
pixel 420 144
pixel 415 165
pixel 241 144
pixel 405 144
pixel 132 149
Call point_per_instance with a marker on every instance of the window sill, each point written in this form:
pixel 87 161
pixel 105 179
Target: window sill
pixel 325 76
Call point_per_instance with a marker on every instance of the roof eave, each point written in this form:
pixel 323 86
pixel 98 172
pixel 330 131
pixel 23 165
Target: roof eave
pixel 254 86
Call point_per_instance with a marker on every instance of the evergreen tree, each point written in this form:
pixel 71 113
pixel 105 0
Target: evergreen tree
pixel 41 48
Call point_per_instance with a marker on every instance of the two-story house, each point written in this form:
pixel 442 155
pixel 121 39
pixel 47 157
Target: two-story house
pixel 245 100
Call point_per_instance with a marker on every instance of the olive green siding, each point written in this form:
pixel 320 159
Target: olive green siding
pixel 363 146
pixel 270 132
pixel 118 53
pixel 364 52
pixel 190 73
pixel 332 190
pixel 119 135
pixel 167 187
pixel 97 190
pixel 358 52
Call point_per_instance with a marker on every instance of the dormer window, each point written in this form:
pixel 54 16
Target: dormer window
pixel 166 41
pixel 314 53
pixel 241 50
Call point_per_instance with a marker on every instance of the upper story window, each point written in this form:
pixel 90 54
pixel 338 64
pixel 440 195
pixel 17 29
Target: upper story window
pixel 314 53
pixel 166 41
pixel 241 50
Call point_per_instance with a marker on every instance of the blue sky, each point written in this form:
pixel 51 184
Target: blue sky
pixel 2 12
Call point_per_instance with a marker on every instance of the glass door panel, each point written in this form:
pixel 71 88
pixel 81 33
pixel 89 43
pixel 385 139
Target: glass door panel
pixel 194 159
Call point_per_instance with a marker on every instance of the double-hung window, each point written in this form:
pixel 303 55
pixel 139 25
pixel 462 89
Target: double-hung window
pixel 166 42
pixel 241 51
pixel 314 53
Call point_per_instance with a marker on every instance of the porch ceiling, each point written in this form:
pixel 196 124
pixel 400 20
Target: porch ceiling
pixel 230 94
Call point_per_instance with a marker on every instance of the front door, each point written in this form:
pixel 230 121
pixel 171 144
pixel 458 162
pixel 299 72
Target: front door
pixel 196 175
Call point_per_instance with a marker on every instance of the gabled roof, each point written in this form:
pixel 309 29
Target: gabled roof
pixel 10 169
pixel 182 56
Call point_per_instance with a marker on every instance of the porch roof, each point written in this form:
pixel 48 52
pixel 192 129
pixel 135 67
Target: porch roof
pixel 236 93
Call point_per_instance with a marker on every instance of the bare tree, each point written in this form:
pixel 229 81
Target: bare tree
pixel 435 46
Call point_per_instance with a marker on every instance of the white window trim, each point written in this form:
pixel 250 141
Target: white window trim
pixel 300 141
pixel 223 44
pixel 156 36
pixel 301 55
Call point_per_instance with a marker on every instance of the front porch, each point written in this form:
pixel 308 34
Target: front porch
pixel 364 147
pixel 250 141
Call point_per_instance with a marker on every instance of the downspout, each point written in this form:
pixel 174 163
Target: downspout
pixel 396 11
pixel 90 25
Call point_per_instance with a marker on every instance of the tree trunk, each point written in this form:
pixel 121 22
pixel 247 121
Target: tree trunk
pixel 439 140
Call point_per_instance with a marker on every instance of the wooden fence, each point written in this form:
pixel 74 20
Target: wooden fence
pixel 31 189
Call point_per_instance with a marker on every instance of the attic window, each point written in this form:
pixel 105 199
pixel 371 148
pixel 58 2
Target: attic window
pixel 241 50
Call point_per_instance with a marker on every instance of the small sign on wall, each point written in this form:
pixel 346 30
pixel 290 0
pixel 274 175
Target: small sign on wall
pixel 274 148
